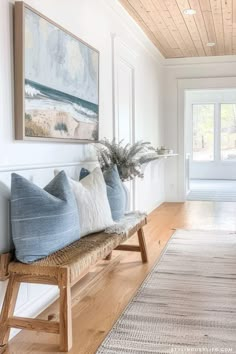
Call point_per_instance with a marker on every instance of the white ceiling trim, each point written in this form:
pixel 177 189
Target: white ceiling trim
pixel 200 60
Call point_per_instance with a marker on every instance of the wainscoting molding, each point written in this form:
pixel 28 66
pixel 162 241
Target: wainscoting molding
pixel 124 64
pixel 9 168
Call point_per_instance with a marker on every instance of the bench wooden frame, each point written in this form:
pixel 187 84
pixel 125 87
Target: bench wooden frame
pixel 63 327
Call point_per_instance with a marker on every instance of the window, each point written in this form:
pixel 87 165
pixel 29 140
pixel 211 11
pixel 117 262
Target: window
pixel 214 132
pixel 203 132
pixel 228 131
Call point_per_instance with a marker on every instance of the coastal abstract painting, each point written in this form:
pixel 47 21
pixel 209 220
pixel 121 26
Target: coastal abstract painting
pixel 60 81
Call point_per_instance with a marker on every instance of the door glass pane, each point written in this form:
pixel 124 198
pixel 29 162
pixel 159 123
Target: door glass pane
pixel 203 132
pixel 228 131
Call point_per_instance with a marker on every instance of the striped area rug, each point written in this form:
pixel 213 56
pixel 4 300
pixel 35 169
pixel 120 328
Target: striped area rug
pixel 187 304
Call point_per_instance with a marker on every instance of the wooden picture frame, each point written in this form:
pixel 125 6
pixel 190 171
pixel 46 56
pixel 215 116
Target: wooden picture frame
pixel 56 81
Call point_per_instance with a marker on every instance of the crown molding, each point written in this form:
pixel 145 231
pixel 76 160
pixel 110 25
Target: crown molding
pixel 134 30
pixel 225 59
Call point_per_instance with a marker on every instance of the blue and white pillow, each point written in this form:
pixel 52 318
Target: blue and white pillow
pixel 115 191
pixel 43 220
pixel 92 202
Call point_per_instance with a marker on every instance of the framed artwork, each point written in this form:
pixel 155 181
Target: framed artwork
pixel 56 81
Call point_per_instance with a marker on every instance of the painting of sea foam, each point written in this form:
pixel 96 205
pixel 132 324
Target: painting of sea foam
pixel 61 83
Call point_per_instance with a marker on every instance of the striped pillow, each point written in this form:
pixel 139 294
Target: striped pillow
pixel 43 220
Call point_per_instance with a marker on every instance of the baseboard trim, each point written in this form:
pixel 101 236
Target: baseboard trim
pixel 155 206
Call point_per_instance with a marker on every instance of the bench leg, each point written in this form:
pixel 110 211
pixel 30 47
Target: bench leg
pixel 65 312
pixel 141 248
pixel 142 244
pixel 8 309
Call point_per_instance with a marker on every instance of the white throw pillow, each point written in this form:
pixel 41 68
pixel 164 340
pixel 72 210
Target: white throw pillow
pixel 92 202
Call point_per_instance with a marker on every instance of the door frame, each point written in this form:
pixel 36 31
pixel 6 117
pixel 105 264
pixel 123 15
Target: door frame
pixel 217 168
pixel 184 85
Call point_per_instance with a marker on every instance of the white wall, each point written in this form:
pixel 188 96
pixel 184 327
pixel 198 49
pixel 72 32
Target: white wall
pixel 175 71
pixel 95 21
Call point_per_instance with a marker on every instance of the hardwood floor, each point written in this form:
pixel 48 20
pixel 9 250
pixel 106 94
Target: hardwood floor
pixel 103 301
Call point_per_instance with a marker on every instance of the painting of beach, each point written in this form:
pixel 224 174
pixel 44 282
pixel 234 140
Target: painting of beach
pixel 61 95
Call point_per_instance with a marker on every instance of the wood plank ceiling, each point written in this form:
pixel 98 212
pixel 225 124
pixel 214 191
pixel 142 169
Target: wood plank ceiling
pixel 178 35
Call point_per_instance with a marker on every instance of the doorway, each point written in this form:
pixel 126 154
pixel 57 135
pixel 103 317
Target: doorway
pixel 211 144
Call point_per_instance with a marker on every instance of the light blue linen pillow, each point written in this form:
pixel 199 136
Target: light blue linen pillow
pixel 43 220
pixel 115 191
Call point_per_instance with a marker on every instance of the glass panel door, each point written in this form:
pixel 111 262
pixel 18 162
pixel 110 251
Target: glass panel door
pixel 228 132
pixel 203 132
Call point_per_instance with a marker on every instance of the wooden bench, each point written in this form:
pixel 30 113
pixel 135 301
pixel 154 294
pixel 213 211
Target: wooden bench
pixel 63 268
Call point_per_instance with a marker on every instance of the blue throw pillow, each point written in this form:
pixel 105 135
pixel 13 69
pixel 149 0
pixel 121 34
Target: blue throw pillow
pixel 43 220
pixel 115 191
